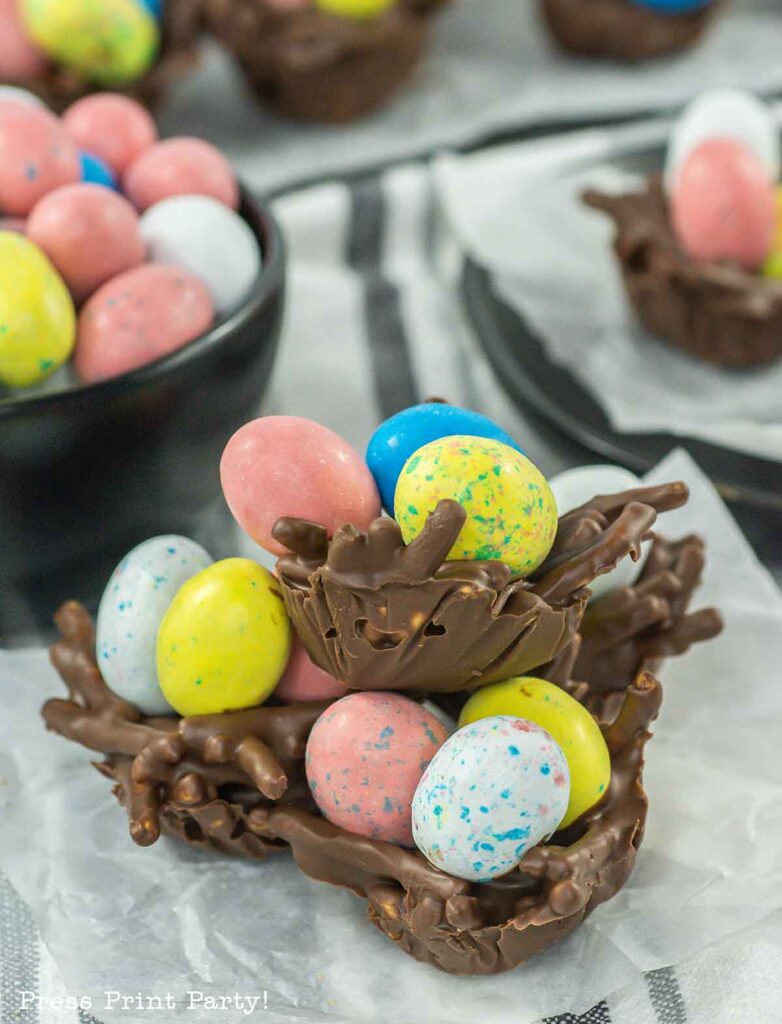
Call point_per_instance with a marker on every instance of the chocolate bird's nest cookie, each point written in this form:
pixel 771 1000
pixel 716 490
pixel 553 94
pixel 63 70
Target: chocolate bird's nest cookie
pixel 622 30
pixel 717 312
pixel 181 27
pixel 235 782
pixel 314 66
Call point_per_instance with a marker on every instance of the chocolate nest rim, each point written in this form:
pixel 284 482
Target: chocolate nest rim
pixel 235 783
pixel 621 30
pixel 716 312
pixel 181 27
pixel 311 65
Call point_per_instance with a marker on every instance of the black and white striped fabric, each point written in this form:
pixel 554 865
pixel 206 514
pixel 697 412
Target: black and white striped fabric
pixel 374 324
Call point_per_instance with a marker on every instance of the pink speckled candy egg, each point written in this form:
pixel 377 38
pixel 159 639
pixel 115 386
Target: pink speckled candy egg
pixel 365 756
pixel 179 167
pixel 89 233
pixel 36 156
pixel 113 127
pixel 722 204
pixel 20 58
pixel 290 466
pixel 137 317
pixel 303 680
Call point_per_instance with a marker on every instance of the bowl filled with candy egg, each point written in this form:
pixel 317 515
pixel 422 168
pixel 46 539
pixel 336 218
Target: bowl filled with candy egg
pixel 62 50
pixel 700 246
pixel 324 60
pixel 627 30
pixel 141 293
pixel 429 708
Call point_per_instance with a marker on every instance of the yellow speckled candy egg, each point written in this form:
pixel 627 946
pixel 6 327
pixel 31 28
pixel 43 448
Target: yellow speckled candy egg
pixel 37 318
pixel 355 8
pixel 511 512
pixel 224 641
pixel 773 265
pixel 109 42
pixel 569 722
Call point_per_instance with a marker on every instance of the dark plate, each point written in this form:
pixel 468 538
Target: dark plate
pixel 552 395
pixel 87 473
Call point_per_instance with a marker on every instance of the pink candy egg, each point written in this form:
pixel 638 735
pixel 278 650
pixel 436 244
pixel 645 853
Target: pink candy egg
pixel 289 466
pixel 113 127
pixel 89 233
pixel 36 156
pixel 20 58
pixel 365 757
pixel 722 204
pixel 180 167
pixel 137 317
pixel 303 680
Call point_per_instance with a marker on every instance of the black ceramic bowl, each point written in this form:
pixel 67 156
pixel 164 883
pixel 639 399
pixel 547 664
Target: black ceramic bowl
pixel 89 472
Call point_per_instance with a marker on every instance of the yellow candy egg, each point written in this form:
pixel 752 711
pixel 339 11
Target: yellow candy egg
pixel 37 318
pixel 511 512
pixel 224 641
pixel 355 8
pixel 569 722
pixel 773 265
pixel 109 42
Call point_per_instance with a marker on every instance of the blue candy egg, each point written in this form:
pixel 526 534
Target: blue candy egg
pixel 399 437
pixel 155 7
pixel 95 171
pixel 673 6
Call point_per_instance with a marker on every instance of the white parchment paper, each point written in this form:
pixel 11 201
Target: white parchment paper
pixel 491 68
pixel 168 920
pixel 517 209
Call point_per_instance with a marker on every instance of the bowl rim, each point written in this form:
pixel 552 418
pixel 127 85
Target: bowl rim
pixel 258 216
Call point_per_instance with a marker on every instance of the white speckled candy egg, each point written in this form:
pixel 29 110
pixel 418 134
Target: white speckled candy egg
pixel 135 600
pixel 203 236
pixel 576 486
pixel 724 114
pixel 493 790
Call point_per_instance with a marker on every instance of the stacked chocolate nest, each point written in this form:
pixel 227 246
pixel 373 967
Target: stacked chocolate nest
pixel 383 615
pixel 622 30
pixel 309 64
pixel 182 22
pixel 718 312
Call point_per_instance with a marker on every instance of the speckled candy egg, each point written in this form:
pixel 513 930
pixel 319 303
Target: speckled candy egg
pixel 495 789
pixel 37 319
pixel 138 317
pixel 179 167
pixel 303 680
pixel 399 437
pixel 365 756
pixel 224 641
pixel 355 8
pixel 576 486
pixel 724 114
pixel 113 127
pixel 132 607
pixel 289 466
pixel 209 240
pixel 36 156
pixel 109 42
pixel 569 723
pixel 673 6
pixel 89 233
pixel 722 205
pixel 20 59
pixel 511 512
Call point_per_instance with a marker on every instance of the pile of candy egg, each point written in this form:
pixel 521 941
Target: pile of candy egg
pixel 105 42
pixel 721 176
pixel 179 633
pixel 115 248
